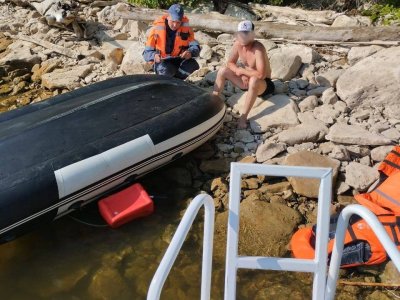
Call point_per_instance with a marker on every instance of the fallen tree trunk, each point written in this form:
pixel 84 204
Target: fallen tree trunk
pixel 222 23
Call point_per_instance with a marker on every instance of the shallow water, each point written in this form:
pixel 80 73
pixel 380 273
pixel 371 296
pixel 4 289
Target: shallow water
pixel 71 260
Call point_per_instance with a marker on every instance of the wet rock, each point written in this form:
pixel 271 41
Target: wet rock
pixel 65 78
pixel 378 295
pixel 373 89
pixel 46 67
pixel 309 187
pixel 358 53
pixel 216 166
pixel 356 135
pixel 268 150
pixel 329 96
pixel 107 283
pixel 360 176
pixel 306 132
pixel 379 153
pixel 329 78
pixel 390 273
pixel 308 103
pixel 265 229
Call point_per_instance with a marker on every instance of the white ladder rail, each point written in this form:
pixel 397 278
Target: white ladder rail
pixel 343 222
pixel 179 237
pixel 318 265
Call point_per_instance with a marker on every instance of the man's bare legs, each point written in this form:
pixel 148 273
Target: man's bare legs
pixel 256 87
pixel 224 74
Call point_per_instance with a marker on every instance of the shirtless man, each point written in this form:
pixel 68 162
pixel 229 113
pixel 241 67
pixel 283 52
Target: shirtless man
pixel 255 76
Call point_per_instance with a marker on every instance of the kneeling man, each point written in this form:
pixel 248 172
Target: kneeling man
pixel 255 73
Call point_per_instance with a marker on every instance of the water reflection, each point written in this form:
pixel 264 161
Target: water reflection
pixel 70 260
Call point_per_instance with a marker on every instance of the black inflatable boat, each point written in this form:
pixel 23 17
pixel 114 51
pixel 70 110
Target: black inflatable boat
pixel 64 152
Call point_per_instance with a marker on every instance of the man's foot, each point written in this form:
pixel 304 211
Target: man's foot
pixel 242 123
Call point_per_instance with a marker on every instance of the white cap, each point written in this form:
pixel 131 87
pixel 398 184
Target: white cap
pixel 246 26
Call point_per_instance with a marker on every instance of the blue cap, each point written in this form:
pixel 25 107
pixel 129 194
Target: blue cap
pixel 176 12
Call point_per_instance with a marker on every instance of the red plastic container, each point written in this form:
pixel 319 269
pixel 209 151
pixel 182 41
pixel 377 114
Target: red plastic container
pixel 126 205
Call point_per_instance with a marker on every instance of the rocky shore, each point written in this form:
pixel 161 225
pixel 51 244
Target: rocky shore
pixel 334 106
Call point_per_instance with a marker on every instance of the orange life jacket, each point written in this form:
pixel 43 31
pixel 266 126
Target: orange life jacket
pixel 385 199
pixel 361 246
pixel 157 37
pixel 391 163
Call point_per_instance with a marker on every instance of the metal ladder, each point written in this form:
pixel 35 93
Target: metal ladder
pixel 324 286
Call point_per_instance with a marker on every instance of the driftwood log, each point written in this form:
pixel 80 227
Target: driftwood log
pixel 222 23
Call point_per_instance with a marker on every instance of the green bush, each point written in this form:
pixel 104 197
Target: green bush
pixel 386 14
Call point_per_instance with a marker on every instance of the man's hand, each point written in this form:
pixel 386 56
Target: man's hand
pixel 239 72
pixel 245 81
pixel 157 58
pixel 186 55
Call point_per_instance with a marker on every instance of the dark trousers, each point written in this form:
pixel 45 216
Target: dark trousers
pixel 176 67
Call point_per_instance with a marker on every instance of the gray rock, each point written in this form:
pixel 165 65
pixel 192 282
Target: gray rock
pixel 308 103
pixel 379 153
pixel 305 186
pixel 329 78
pixel 358 53
pixel 133 62
pixel 239 12
pixel 340 152
pixel 360 176
pixel 211 77
pixel 355 135
pixel 374 83
pixel 302 83
pixel 135 29
pixel 215 166
pixel 67 78
pixel 306 132
pixel 280 87
pixel 277 111
pixel 284 64
pixel 326 113
pixel 268 150
pixel 244 136
pixel 204 38
pixel 225 147
pixel 329 96
pixel 317 91
pixel 365 161
pixel 206 52
pixel 345 21
pixel 307 54
pixel 392 134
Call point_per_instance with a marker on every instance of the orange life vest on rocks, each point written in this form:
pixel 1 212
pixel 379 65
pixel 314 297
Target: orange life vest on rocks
pixel 361 246
pixel 157 37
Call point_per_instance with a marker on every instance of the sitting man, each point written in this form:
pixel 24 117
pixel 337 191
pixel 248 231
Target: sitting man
pixel 171 45
pixel 254 76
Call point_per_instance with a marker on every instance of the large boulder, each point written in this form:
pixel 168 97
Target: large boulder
pixel 305 186
pixel 358 53
pixel 373 82
pixel 345 21
pixel 360 176
pixel 68 78
pixel 305 132
pixel 285 63
pixel 355 135
pixel 265 229
pixel 133 62
pixel 18 55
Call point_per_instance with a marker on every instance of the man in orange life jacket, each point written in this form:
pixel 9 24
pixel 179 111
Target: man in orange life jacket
pixel 171 45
